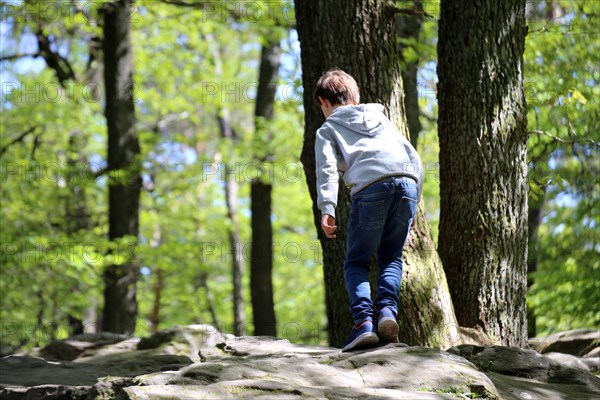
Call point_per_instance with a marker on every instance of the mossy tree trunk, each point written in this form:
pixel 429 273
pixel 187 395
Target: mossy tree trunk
pixel 361 38
pixel 483 169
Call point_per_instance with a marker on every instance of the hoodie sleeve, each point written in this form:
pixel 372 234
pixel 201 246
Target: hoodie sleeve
pixel 327 172
pixel 416 165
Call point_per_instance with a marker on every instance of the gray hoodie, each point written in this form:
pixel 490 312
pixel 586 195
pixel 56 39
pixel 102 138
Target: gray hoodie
pixel 362 143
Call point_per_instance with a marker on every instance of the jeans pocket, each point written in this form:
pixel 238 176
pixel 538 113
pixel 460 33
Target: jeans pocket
pixel 407 208
pixel 371 214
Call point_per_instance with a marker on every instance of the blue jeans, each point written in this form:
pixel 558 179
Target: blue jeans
pixel 379 223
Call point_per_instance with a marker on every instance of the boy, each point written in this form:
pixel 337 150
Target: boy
pixel 385 175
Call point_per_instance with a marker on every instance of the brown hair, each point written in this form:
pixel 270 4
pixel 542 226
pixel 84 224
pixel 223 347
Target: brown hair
pixel 338 87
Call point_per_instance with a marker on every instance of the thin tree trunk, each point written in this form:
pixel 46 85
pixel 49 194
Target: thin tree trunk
pixel 158 284
pixel 534 220
pixel 483 169
pixel 203 283
pixel 76 210
pixel 261 260
pixel 40 315
pixel 409 27
pixel 158 287
pixel 231 199
pixel 237 263
pixel 360 37
pixel 120 303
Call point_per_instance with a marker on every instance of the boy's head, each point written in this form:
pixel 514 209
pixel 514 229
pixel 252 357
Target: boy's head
pixel 338 88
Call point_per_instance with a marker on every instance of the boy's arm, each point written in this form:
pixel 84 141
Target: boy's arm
pixel 416 163
pixel 327 173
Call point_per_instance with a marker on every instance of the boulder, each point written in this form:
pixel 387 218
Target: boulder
pixel 65 349
pixel 79 345
pixel 195 341
pixel 46 392
pixel 193 362
pixel 523 363
pixel 568 360
pixel 595 353
pixel 578 342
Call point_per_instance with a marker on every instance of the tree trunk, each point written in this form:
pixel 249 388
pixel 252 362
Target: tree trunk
pixel 158 288
pixel 76 210
pixel 360 37
pixel 120 303
pixel 159 284
pixel 483 169
pixel 202 282
pixel 534 220
pixel 409 27
pixel 261 259
pixel 237 262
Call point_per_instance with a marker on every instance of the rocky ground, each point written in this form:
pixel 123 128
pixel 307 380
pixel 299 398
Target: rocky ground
pixel 198 362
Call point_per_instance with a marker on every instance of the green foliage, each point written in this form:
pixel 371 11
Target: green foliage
pixel 48 271
pixel 563 111
pixel 193 64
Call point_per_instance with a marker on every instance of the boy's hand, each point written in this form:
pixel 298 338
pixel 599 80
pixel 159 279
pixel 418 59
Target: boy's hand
pixel 328 225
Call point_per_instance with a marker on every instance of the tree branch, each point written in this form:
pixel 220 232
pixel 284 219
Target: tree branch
pixel 415 12
pixel 18 139
pixel 64 71
pixel 21 55
pixel 428 117
pixel 563 141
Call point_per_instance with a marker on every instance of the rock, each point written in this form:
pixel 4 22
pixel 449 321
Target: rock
pixel 267 345
pixel 46 392
pixel 110 388
pixel 594 353
pixel 195 341
pixel 65 349
pixel 568 360
pixel 300 370
pixel 101 337
pixel 593 363
pixel 161 367
pixel 577 342
pixel 29 371
pixel 508 360
pixel 512 361
pixel 517 388
pixel 592 360
pixel 80 345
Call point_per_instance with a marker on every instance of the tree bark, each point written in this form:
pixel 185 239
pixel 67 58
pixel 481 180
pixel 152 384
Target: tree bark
pixel 360 37
pixel 261 259
pixel 483 170
pixel 120 303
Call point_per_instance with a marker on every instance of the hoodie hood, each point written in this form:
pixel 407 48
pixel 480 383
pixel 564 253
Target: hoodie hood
pixel 365 119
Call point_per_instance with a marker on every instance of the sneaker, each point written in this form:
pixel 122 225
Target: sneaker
pixel 387 327
pixel 362 335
